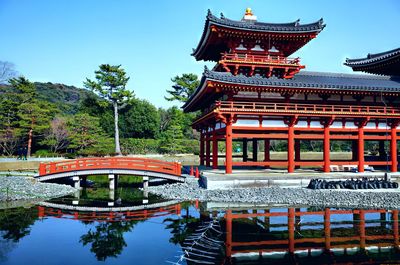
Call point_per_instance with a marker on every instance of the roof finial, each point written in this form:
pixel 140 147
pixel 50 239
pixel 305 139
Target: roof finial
pixel 209 14
pixel 249 16
pixel 248 12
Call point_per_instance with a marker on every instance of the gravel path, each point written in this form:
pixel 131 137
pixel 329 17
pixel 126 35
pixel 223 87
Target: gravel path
pixel 25 188
pixel 388 199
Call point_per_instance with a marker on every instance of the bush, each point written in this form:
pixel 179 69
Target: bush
pixel 45 153
pixel 191 146
pixel 140 146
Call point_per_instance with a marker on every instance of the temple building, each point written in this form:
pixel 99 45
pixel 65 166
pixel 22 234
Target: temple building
pixel 257 93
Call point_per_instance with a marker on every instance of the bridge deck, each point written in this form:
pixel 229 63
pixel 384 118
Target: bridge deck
pixel 111 165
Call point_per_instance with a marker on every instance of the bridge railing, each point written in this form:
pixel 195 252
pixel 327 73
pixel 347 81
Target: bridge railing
pixel 133 163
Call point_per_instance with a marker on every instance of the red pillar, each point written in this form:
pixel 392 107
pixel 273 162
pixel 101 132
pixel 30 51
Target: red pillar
pixel 228 142
pixel 395 217
pixel 228 219
pixel 214 150
pixel 290 148
pixel 362 229
pixel 327 146
pixel 208 150
pixel 327 228
pixel 291 214
pixel 201 154
pixel 393 149
pixel 266 151
pixel 360 149
pixel 297 152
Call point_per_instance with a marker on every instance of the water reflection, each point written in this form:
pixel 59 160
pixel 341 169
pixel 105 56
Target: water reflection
pixel 311 236
pixel 106 239
pixel 133 232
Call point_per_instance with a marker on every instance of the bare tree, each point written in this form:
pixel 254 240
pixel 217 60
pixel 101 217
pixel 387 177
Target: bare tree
pixel 8 141
pixel 57 137
pixel 7 71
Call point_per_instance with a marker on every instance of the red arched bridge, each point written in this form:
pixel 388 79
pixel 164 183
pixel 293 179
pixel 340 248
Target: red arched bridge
pixel 111 166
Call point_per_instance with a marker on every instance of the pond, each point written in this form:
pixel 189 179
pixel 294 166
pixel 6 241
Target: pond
pixel 97 227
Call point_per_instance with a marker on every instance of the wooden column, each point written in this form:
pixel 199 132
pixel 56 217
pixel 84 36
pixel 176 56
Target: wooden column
pixel 393 148
pixel 291 148
pixel 228 142
pixel 208 147
pixel 327 228
pixel 297 152
pixel 395 218
pixel 362 229
pixel 291 214
pixel 245 156
pixel 228 244
pixel 255 150
pixel 267 146
pixel 327 148
pixel 214 150
pixel 201 154
pixel 360 148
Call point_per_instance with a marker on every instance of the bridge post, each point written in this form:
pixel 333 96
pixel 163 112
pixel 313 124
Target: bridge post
pixel 77 182
pixel 145 187
pixel 113 181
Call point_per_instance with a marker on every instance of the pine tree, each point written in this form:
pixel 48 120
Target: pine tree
pixel 110 85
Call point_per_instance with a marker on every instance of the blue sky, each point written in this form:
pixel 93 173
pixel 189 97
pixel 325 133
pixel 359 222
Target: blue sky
pixel 64 41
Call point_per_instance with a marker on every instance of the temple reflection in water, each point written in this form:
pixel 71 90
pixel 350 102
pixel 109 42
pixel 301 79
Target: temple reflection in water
pixel 249 234
pixel 311 236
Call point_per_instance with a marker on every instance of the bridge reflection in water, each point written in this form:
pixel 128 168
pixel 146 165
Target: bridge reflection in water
pixel 109 214
pixel 307 236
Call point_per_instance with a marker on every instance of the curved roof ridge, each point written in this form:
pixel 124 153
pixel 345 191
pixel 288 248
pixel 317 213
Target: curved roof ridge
pixel 260 27
pixel 295 25
pixel 372 57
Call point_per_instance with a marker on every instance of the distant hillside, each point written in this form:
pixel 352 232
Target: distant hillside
pixel 66 98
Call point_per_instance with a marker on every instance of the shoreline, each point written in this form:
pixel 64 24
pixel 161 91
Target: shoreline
pixel 19 188
pixel 368 199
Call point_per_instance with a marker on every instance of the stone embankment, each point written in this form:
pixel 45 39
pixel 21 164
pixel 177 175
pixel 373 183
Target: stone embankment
pixel 388 199
pixel 26 188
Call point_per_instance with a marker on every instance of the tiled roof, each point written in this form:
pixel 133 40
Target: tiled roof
pixel 252 26
pixel 318 80
pixel 270 27
pixel 307 80
pixel 372 58
pixel 384 63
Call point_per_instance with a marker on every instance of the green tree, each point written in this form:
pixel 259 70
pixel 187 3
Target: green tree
pixel 9 131
pixel 110 85
pixel 107 240
pixel 141 120
pixel 34 114
pixel 184 86
pixel 84 132
pixel 171 137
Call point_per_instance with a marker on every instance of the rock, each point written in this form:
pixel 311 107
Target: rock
pixel 26 188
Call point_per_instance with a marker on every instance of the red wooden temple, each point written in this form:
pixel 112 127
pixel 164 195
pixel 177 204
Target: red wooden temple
pixel 257 93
